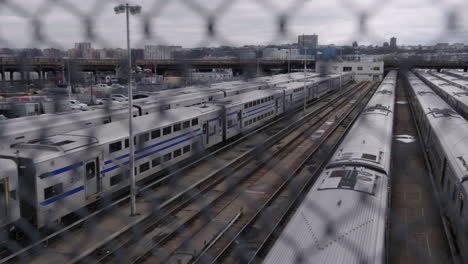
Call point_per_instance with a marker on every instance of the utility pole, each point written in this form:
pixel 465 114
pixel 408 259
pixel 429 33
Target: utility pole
pixel 305 80
pixel 133 191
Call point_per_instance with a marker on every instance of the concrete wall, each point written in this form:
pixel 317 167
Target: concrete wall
pixel 362 70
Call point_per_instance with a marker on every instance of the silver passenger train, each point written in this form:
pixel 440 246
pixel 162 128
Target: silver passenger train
pixel 64 172
pixel 342 218
pixel 452 94
pixel 23 129
pixel 445 139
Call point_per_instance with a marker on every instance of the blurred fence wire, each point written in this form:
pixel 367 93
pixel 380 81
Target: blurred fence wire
pixel 65 162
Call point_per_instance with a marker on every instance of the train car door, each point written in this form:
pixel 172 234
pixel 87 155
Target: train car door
pixel 206 132
pixel 91 177
pixel 4 191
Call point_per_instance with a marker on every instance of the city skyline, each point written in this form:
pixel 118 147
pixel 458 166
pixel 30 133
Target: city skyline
pixel 244 23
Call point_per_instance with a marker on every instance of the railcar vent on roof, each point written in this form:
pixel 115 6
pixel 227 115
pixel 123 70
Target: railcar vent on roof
pixel 446 112
pixel 463 162
pixel 63 143
pixel 461 94
pixel 369 156
pixel 378 107
pixel 385 92
pixel 425 92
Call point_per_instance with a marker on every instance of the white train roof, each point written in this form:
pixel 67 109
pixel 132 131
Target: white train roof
pixel 342 218
pixel 456 93
pixel 55 146
pixel 450 128
pixel 336 225
pixel 369 139
pixel 245 98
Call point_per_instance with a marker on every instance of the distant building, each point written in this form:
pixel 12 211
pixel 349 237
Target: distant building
pixel 386 45
pixel 442 46
pixel 393 43
pixel 159 52
pixel 138 54
pixel 52 53
pixel 457 46
pixel 214 75
pixel 362 70
pixel 247 54
pixel 355 44
pixel 276 54
pixel 31 53
pixel 82 46
pixel 308 41
pixel 89 54
pixel 82 49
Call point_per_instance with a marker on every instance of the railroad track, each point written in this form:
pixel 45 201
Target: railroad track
pixel 249 243
pixel 94 247
pixel 173 242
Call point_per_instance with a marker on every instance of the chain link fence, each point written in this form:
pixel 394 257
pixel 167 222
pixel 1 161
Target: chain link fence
pixel 65 176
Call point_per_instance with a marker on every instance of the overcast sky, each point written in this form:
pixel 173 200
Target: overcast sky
pixel 237 22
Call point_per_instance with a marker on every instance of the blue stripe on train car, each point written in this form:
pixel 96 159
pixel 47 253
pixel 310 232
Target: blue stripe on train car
pixel 257 113
pixel 258 108
pixel 152 146
pixel 62 170
pixel 62 196
pixel 151 153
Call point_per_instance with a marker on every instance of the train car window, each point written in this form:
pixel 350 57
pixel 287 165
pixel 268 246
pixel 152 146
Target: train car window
pixel 177 153
pixel 255 119
pixel 246 123
pixel 53 191
pixel 90 170
pixel 461 207
pixel 127 144
pixel 155 133
pixel 246 106
pixel 204 128
pixel 186 149
pixel 186 124
pixel 250 104
pixel 254 103
pixel 167 131
pixel 114 147
pixel 229 124
pixel 195 122
pixel 116 179
pixel 167 157
pixel 143 137
pixel 195 146
pixel 156 162
pixel 177 127
pixel 262 101
pixel 258 101
pixel 144 167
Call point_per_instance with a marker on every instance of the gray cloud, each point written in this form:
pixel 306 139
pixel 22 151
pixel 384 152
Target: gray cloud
pixel 183 22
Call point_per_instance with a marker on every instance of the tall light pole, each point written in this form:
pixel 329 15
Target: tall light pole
pixel 305 79
pixel 128 9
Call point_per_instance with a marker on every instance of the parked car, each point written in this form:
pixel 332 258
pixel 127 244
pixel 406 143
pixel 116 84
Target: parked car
pixel 139 96
pixel 119 97
pixel 104 101
pixel 77 105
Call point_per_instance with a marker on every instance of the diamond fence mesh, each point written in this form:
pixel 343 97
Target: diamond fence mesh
pixel 71 169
